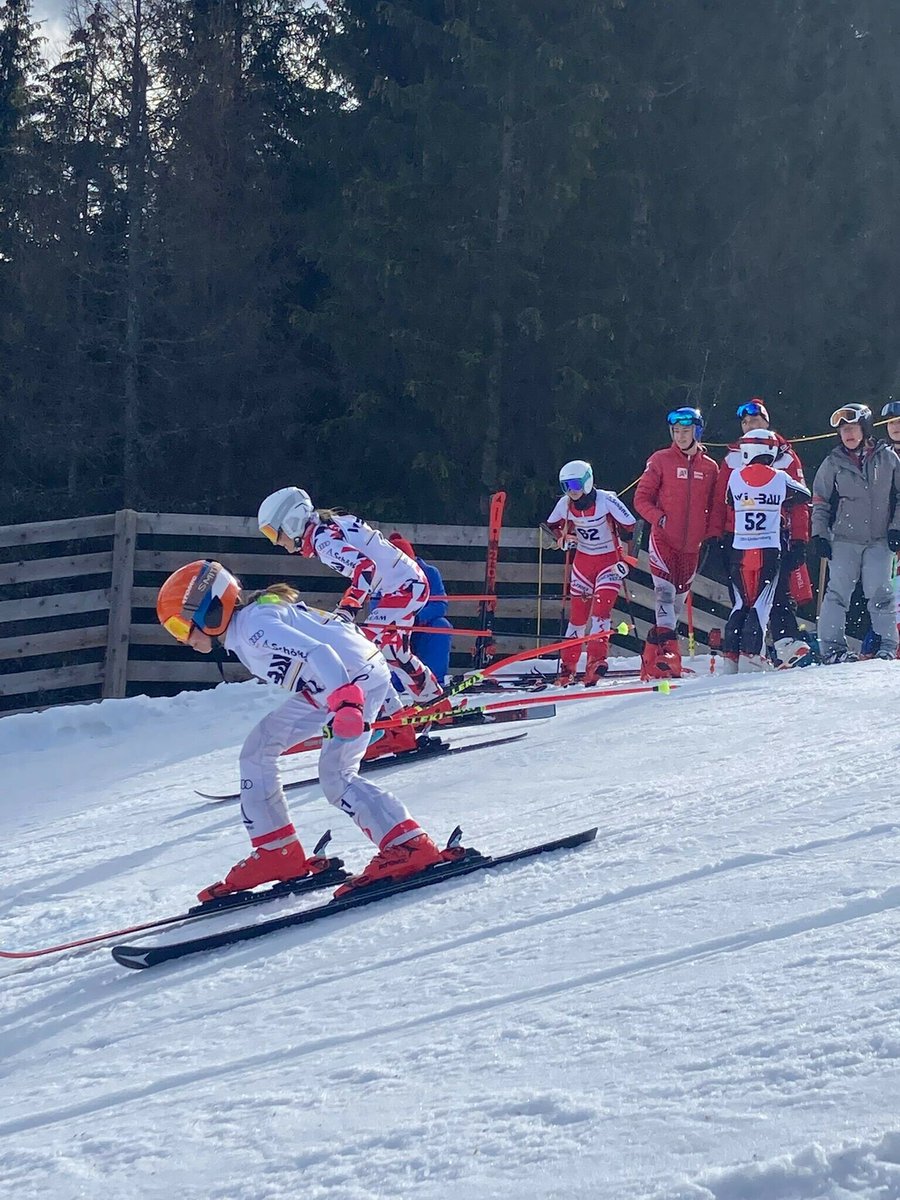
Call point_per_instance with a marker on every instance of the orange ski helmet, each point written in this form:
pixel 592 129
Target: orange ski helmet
pixel 201 595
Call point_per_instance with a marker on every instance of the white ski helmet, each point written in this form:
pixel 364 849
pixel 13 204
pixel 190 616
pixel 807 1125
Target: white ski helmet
pixel 288 511
pixel 758 445
pixel 576 476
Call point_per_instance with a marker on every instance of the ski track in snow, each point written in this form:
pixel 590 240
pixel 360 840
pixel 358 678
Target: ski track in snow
pixel 702 1005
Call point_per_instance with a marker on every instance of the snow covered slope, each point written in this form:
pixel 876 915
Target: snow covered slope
pixel 702 1004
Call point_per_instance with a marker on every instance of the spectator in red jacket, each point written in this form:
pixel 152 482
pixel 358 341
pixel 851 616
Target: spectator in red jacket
pixel 793 581
pixel 675 496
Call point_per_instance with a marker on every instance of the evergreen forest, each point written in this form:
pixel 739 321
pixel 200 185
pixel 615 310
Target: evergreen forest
pixel 404 252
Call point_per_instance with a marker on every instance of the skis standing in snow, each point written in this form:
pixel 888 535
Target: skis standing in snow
pixel 337 682
pixel 856 525
pixel 375 567
pixel 757 492
pixel 593 522
pixel 674 495
pixel 793 586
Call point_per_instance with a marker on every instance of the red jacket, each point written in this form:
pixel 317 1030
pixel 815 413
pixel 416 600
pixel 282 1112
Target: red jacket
pixel 796 518
pixel 675 495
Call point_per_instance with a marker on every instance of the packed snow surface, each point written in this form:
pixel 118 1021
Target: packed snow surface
pixel 703 1004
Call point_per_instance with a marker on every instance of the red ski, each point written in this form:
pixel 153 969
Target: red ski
pixel 484 647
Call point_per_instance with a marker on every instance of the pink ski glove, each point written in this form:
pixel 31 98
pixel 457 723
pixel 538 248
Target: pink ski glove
pixel 346 702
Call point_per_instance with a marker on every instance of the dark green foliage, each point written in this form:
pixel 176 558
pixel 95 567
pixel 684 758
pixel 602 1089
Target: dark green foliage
pixel 403 252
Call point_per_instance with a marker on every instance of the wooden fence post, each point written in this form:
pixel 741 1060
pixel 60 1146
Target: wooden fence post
pixel 115 672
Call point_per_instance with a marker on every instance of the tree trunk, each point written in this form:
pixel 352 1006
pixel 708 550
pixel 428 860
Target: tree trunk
pixel 134 271
pixel 494 389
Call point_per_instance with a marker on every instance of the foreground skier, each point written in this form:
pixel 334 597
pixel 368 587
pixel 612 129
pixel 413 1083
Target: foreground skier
pixel 337 680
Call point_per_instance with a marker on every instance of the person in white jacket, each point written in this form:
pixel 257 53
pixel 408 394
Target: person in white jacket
pixel 336 681
pixel 347 544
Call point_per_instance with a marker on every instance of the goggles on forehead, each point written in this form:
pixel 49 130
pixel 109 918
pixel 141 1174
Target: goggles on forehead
pixel 891 409
pixel 682 416
pixel 845 416
pixel 753 408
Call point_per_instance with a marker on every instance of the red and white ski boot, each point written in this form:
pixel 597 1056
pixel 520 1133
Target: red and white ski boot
pixel 263 866
pixel 395 862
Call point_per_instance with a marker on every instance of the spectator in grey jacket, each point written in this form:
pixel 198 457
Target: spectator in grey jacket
pixel 856 525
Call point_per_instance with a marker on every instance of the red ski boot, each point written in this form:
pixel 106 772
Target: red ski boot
pixel 395 862
pixel 392 741
pixel 661 658
pixel 596 669
pixel 262 866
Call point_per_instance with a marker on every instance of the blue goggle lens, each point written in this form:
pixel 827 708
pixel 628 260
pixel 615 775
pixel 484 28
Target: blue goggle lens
pixel 752 409
pixel 574 485
pixel 682 418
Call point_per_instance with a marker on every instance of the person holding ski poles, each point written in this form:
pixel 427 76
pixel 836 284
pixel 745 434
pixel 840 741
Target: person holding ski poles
pixel 757 492
pixel 674 495
pixel 336 681
pixel 593 523
pixel 856 526
pixel 793 586
pixel 347 544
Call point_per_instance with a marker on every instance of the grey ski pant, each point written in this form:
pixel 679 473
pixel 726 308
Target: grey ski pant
pixel 851 561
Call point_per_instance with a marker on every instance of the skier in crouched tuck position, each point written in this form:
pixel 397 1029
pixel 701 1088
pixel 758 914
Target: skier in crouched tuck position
pixel 593 522
pixel 337 681
pixel 348 545
pixel 757 492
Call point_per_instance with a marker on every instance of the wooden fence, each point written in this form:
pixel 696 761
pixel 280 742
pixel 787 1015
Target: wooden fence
pixel 77 617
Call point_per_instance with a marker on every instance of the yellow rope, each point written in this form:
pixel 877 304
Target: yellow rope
pixel 811 437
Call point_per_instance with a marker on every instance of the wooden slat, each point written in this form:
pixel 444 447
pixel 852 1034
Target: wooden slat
pixel 201 671
pixel 52 679
pixel 116 665
pixel 66 604
pixel 38 532
pixel 208 525
pixel 197 525
pixel 56 568
pixel 52 643
pixel 270 566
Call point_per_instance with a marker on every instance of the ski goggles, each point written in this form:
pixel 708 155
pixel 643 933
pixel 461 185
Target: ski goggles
pixel 845 416
pixel 574 485
pixel 891 409
pixel 201 607
pixel 270 532
pixel 753 408
pixel 682 416
pixel 179 627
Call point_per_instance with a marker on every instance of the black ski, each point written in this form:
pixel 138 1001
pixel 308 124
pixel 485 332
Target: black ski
pixel 502 716
pixel 139 957
pixel 429 747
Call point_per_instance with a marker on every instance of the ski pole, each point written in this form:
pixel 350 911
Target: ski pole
pixel 537 630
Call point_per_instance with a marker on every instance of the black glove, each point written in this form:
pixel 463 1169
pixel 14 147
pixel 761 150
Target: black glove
pixel 794 555
pixel 819 547
pixel 627 535
pixel 894 539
